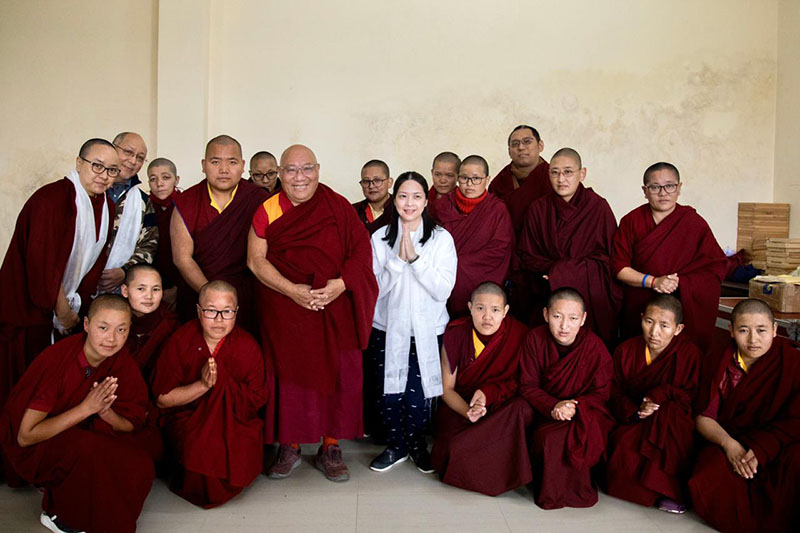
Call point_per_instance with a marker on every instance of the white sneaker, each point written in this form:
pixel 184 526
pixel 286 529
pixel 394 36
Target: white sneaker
pixel 53 524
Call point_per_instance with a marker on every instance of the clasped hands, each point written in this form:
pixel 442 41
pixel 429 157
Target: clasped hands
pixel 477 406
pixel 101 396
pixel 316 299
pixel 647 408
pixel 744 462
pixel 666 284
pixel 564 410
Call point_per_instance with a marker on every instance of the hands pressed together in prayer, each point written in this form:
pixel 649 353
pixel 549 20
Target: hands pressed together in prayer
pixel 317 299
pixel 100 397
pixel 477 406
pixel 564 410
pixel 666 284
pixel 407 252
pixel 208 375
pixel 111 279
pixel 744 462
pixel 647 408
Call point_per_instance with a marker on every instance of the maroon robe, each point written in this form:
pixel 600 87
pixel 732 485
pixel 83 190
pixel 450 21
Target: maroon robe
pixel 681 243
pixel 316 355
pixel 170 275
pixel 762 413
pixel 363 206
pixel 536 185
pixel 220 244
pixel 650 458
pixel 570 242
pixel 217 439
pixel 490 455
pixel 94 478
pixel 148 333
pixel 563 452
pixel 484 241
pixel 33 271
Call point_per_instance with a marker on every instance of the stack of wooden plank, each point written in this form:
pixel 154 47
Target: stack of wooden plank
pixel 757 223
pixel 783 255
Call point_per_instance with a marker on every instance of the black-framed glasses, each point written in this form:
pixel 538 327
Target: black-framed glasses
pixel 130 153
pixel 212 314
pixel 527 141
pixel 567 172
pixel 99 168
pixel 259 176
pixel 668 188
pixel 375 181
pixel 471 180
pixel 307 170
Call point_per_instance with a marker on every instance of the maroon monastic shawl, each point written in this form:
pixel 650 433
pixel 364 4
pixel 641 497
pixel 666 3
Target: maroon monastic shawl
pixel 570 242
pixel 536 185
pixel 681 243
pixel 148 333
pixel 219 435
pixel 484 242
pixel 383 220
pixel 94 477
pixel 170 275
pixel 649 458
pixel 316 241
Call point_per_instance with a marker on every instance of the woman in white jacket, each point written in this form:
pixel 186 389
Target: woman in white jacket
pixel 414 261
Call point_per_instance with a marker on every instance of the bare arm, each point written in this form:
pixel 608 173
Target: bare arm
pixel 117 422
pixel 743 461
pixel 453 399
pixel 663 284
pixel 182 251
pixel 66 316
pixel 267 274
pixel 189 393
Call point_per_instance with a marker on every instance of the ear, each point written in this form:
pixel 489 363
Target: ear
pixel 469 306
pixel 644 191
pixel 390 182
pixel 203 165
pixel 177 180
pixel 541 146
pixel 774 329
pixel 678 329
pixel 730 328
pixel 583 320
pixel 124 290
pixel 582 174
pixel 78 161
pixel 546 316
pixel 505 310
pixel 199 311
pixel 86 324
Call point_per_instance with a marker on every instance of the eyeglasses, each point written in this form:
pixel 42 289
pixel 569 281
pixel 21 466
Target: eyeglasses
pixel 98 168
pixel 130 153
pixel 375 181
pixel 308 170
pixel 527 141
pixel 471 180
pixel 567 173
pixel 668 188
pixel 258 176
pixel 212 314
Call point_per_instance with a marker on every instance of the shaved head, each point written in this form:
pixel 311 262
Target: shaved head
pixel 218 286
pixel 476 160
pixel 566 293
pixel 751 306
pixel 570 153
pixel 223 140
pixel 163 162
pixel 130 275
pixel 489 287
pixel 122 137
pixel 377 163
pixel 297 150
pixel 660 166
pixel 91 143
pixel 447 157
pixel 108 301
pixel 667 302
pixel 258 156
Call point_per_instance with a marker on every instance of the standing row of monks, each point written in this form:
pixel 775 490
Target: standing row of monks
pixel 289 261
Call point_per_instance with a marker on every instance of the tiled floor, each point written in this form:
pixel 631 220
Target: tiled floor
pixel 402 499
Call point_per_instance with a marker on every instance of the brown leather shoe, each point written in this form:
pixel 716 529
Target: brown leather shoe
pixel 331 464
pixel 288 459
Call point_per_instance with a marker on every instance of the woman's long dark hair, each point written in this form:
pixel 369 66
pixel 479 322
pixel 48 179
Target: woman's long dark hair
pixel 428 223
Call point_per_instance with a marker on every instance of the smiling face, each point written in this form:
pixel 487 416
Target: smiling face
pixel 660 200
pixel 299 174
pixel 564 319
pixel 132 154
pixel 144 291
pixel 223 166
pixel 524 149
pixel 753 333
pixel 214 329
pixel 92 183
pixel 410 202
pixel 488 311
pixel 106 333
pixel 566 175
pixel 162 181
pixel 659 328
pixel 444 175
pixel 472 172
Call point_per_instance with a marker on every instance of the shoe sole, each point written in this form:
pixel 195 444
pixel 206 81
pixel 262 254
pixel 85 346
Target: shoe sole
pixel 671 511
pixel 275 475
pixel 47 522
pixel 335 479
pixel 384 469
pixel 429 471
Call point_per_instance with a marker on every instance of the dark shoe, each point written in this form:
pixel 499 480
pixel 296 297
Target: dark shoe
pixel 670 506
pixel 288 459
pixel 55 525
pixel 331 464
pixel 423 461
pixel 390 457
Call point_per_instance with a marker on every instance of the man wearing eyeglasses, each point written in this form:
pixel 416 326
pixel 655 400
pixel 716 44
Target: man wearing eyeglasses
pixel 316 297
pixel 375 211
pixel 134 233
pixel 264 172
pixel 209 381
pixel 54 260
pixel 481 229
pixel 665 247
pixel 566 242
pixel 209 228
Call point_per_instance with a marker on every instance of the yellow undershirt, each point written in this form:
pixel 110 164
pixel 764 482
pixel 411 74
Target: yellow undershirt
pixel 647 356
pixel 479 346
pixel 741 362
pixel 214 201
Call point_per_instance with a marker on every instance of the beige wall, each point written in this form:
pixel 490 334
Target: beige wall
pixel 787 131
pixel 625 83
pixel 70 70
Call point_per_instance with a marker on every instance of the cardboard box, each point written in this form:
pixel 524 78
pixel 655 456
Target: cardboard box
pixel 781 293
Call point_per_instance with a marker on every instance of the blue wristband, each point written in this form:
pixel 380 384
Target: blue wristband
pixel 644 280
